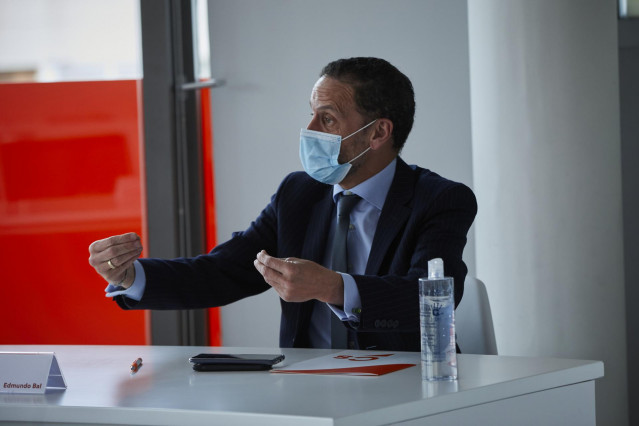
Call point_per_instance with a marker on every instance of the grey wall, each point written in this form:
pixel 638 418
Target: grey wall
pixel 270 54
pixel 547 173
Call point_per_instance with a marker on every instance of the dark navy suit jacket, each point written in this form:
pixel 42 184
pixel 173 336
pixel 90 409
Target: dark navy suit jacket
pixel 425 216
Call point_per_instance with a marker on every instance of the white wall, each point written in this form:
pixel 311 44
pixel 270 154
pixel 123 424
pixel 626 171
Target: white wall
pixel 546 160
pixel 271 52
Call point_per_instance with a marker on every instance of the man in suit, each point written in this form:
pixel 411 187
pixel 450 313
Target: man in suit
pixel 401 217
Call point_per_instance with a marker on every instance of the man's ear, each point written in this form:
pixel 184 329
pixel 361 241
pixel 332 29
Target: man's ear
pixel 381 134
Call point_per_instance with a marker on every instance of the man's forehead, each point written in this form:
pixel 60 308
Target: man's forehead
pixel 331 93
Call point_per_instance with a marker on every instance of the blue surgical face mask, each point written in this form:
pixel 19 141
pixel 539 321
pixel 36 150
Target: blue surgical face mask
pixel 319 152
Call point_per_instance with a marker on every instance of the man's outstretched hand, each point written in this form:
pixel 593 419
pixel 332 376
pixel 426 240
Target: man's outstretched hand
pixel 113 258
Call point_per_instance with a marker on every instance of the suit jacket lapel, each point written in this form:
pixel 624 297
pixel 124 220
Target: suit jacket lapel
pixel 314 246
pixel 313 249
pixel 394 215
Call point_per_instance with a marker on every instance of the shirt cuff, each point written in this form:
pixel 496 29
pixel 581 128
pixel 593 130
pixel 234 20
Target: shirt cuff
pixel 136 290
pixel 352 302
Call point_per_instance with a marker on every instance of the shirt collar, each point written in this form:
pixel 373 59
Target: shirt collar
pixel 373 189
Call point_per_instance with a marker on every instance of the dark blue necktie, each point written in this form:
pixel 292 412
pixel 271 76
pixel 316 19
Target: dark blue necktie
pixel 345 204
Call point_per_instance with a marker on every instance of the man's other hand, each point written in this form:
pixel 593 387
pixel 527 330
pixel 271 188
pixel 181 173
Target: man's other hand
pixel 299 280
pixel 113 258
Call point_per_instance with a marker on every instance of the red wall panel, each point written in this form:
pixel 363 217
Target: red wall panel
pixel 70 157
pixel 215 326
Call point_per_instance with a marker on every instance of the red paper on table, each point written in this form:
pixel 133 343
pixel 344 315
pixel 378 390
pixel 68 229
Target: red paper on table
pixel 354 363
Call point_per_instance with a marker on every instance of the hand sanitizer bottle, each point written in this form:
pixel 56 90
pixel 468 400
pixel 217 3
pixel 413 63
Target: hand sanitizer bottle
pixel 437 322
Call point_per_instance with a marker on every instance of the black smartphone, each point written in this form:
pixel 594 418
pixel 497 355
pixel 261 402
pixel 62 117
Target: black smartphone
pixel 235 362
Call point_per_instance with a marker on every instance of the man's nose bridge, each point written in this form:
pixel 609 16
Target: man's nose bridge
pixel 311 124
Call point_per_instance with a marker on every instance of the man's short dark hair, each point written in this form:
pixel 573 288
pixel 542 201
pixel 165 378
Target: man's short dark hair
pixel 381 91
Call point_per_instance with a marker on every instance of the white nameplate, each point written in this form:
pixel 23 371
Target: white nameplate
pixel 29 372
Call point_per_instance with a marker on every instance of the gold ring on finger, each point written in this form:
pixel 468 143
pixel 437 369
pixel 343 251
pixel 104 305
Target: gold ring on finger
pixel 111 265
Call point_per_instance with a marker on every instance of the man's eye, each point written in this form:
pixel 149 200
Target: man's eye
pixel 328 119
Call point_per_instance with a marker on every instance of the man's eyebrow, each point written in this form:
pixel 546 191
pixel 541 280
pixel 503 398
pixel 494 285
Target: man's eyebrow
pixel 326 108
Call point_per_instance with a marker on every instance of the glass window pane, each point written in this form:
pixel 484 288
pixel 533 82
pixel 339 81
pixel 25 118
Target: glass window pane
pixel 69 40
pixel 70 165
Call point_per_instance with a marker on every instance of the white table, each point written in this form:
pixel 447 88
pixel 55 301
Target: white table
pixel 492 390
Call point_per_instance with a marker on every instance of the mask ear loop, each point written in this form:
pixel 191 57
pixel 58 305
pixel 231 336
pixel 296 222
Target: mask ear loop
pixel 359 130
pixel 363 152
pixel 356 131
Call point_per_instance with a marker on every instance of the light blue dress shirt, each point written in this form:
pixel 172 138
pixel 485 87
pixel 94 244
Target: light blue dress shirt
pixel 364 218
pixel 136 290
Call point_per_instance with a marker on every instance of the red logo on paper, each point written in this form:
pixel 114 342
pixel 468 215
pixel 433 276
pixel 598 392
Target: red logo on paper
pixel 362 358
